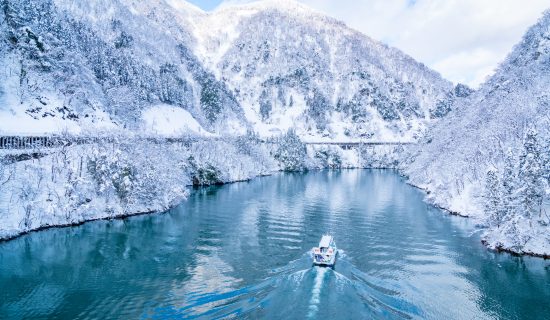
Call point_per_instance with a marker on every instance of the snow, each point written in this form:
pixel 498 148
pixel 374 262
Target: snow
pixel 166 120
pixel 232 40
pixel 468 201
pixel 123 177
pixel 164 68
pixel 496 128
pixel 22 124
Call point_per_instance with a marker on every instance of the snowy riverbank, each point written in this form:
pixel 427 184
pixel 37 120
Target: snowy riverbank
pixel 499 238
pixel 489 157
pixel 129 176
pixel 125 177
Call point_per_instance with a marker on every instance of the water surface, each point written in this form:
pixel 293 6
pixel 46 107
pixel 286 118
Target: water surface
pixel 242 250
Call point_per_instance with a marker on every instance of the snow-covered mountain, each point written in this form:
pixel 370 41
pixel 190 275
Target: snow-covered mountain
pixel 290 66
pixel 167 66
pixel 100 63
pixel 490 156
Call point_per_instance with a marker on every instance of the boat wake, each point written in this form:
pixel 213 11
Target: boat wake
pixel 299 290
pixel 316 292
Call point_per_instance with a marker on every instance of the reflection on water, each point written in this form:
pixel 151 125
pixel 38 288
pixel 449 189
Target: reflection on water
pixel 243 250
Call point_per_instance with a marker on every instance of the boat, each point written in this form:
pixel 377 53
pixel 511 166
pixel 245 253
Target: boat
pixel 325 253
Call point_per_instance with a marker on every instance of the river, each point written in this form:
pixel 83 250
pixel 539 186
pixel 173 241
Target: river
pixel 242 250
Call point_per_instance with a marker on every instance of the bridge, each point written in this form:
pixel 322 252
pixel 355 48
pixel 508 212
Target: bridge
pixel 354 144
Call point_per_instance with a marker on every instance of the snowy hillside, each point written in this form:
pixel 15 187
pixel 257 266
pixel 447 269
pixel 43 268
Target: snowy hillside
pixel 271 66
pixel 99 64
pixel 129 69
pixel 490 156
pixel 290 66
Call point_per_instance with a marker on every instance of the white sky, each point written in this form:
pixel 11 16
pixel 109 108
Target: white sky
pixel 464 40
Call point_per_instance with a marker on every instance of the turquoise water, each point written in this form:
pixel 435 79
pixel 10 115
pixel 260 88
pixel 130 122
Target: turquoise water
pixel 242 250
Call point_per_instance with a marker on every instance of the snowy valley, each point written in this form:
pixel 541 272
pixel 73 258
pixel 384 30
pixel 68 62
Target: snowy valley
pixel 249 86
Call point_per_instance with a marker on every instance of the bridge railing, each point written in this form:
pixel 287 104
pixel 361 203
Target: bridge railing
pixel 360 143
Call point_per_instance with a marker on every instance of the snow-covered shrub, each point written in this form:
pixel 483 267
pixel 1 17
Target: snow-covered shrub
pixel 492 196
pixel 113 171
pixel 386 157
pixel 327 157
pixel 203 173
pixel 291 152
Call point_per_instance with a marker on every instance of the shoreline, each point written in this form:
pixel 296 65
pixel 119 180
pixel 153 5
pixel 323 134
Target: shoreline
pixel 118 217
pixel 129 215
pixel 499 249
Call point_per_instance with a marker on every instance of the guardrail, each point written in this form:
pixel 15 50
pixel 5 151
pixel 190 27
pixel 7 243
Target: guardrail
pixel 39 142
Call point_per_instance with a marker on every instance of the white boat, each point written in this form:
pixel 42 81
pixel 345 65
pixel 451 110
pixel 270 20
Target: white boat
pixel 325 254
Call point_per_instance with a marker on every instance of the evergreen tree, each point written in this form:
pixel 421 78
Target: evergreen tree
pixel 265 105
pixel 492 199
pixel 509 182
pixel 291 152
pixel 531 177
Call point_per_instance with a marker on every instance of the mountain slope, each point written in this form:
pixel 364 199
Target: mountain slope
pixel 105 62
pixel 290 66
pixel 500 132
pixel 166 66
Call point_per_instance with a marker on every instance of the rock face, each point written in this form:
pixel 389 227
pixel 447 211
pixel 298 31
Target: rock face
pixel 269 66
pixel 494 146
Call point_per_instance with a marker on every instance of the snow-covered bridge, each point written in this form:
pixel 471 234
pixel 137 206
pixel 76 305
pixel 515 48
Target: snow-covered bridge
pixel 354 144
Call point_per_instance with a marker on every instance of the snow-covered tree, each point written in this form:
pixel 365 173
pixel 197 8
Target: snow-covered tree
pixel 265 105
pixel 291 152
pixel 508 203
pixel 6 174
pixel 492 199
pixel 531 177
pixel 546 160
pixel 318 109
pixel 328 157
